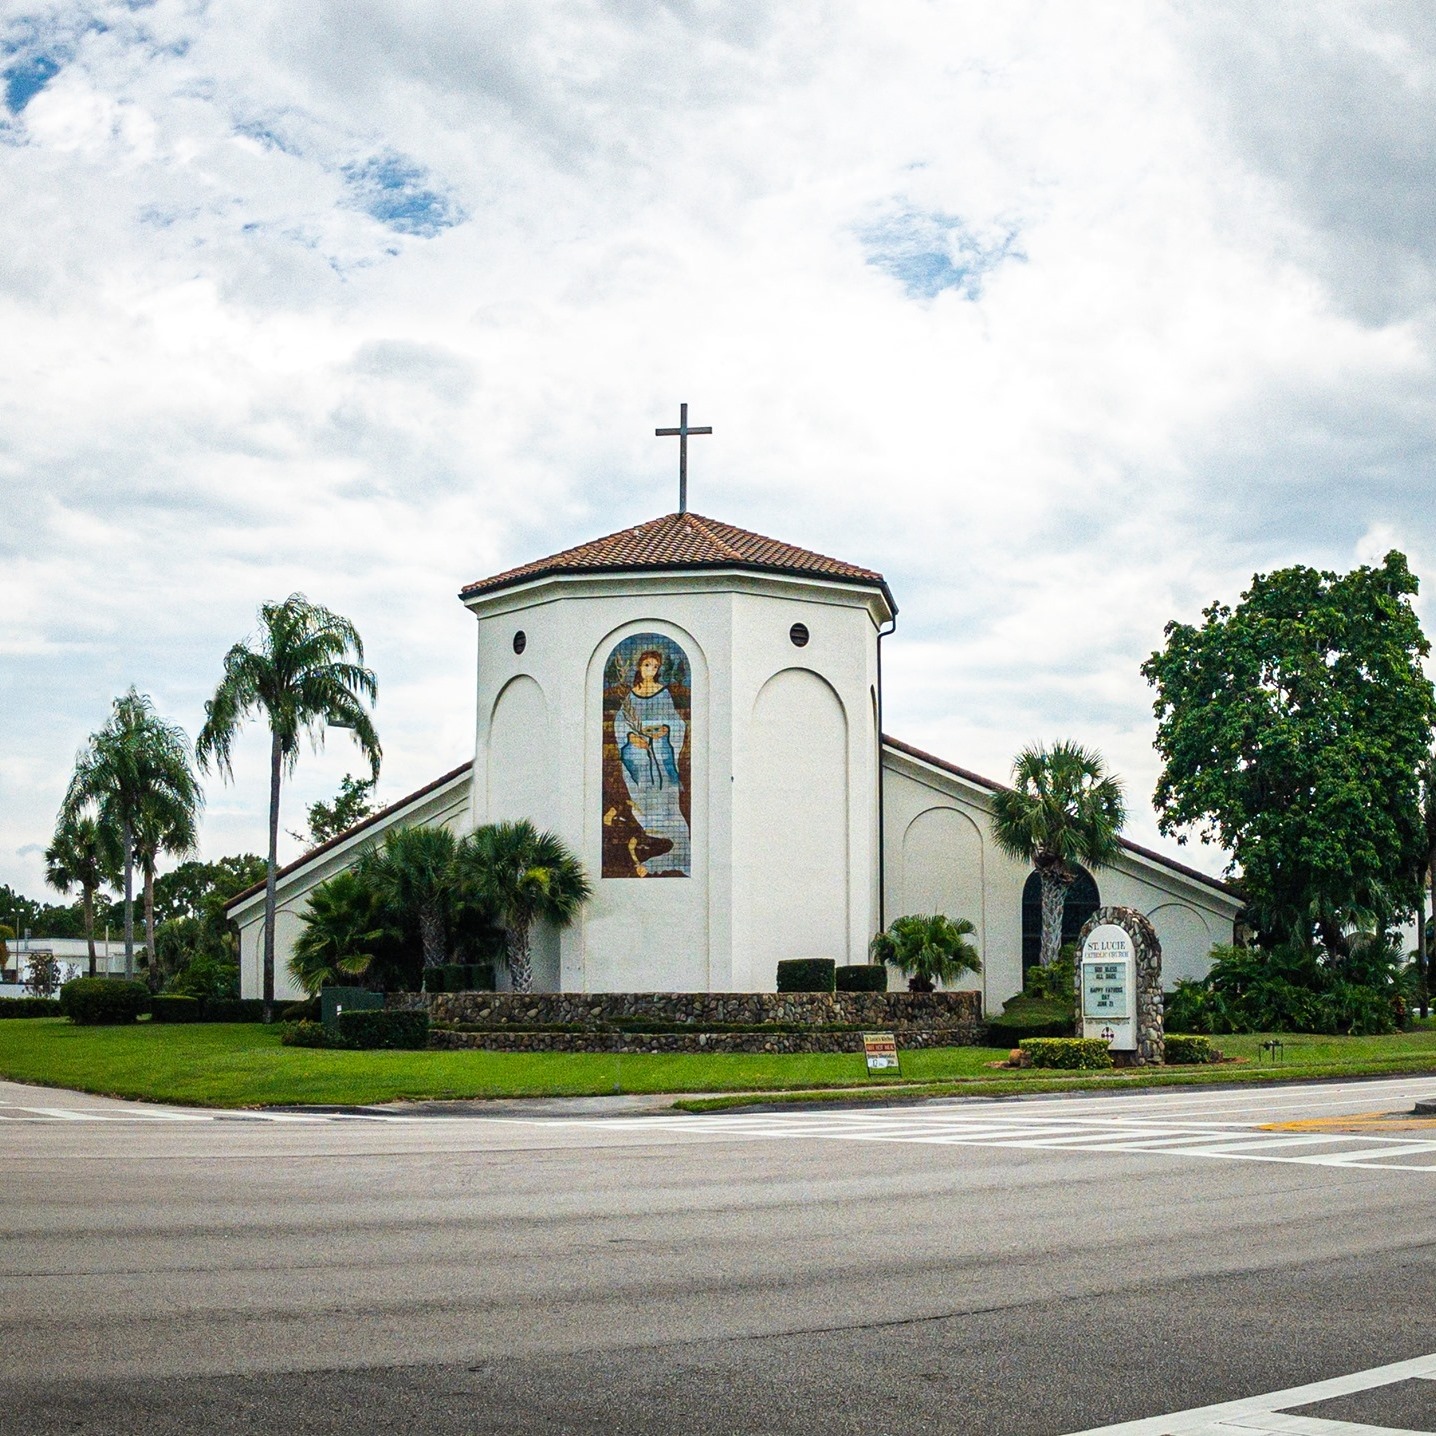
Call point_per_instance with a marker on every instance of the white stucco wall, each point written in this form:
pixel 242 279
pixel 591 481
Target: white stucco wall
pixel 939 856
pixel 783 777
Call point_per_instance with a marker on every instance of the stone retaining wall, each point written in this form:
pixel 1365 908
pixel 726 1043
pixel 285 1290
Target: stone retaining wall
pixel 513 1040
pixel 956 1014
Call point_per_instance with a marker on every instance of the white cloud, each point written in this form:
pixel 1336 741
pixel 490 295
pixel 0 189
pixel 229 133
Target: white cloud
pixel 1068 318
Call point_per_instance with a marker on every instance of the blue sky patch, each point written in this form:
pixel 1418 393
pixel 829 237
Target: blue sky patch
pixel 929 251
pixel 25 77
pixel 397 193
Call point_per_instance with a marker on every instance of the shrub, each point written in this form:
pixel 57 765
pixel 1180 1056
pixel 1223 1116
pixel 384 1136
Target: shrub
pixel 92 1001
pixel 807 974
pixel 1186 1050
pixel 234 1009
pixel 370 1030
pixel 306 1011
pixel 1024 1017
pixel 29 1007
pixel 307 1034
pixel 174 1008
pixel 1083 1054
pixel 460 977
pixel 861 977
pixel 1057 982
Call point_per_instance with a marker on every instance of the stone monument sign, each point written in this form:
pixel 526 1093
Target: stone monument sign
pixel 1119 984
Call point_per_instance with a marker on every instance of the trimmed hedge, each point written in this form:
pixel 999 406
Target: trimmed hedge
pixel 170 1008
pixel 377 1029
pixel 363 1030
pixel 1184 1050
pixel 306 1011
pixel 29 1006
pixel 1081 1054
pixel 234 1009
pixel 861 977
pixel 95 1001
pixel 807 974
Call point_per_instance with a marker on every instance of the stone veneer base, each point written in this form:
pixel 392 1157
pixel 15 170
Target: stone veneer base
pixel 504 1021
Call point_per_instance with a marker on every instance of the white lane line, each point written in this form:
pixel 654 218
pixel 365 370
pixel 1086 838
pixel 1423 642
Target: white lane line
pixel 1227 1418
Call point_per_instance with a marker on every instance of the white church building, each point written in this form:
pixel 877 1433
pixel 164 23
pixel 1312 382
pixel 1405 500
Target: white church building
pixel 696 710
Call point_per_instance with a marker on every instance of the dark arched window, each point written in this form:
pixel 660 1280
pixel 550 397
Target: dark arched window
pixel 1082 902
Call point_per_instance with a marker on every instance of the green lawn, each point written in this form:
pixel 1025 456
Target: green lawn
pixel 243 1065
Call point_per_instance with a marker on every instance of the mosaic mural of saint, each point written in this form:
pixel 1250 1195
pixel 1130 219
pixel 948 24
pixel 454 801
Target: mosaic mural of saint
pixel 647 727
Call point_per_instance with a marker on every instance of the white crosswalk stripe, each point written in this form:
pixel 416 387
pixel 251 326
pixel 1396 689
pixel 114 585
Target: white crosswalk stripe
pixel 1118 1133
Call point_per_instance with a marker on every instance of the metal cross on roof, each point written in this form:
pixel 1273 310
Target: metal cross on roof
pixel 683 432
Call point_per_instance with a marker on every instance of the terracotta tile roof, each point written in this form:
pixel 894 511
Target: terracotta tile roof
pixel 684 542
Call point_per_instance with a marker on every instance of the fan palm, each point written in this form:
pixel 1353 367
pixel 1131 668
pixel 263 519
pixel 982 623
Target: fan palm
pixel 301 677
pixel 342 925
pixel 137 764
pixel 412 874
pixel 927 949
pixel 1063 809
pixel 522 876
pixel 83 854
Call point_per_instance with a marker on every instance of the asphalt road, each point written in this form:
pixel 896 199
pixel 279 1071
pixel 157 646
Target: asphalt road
pixel 981 1267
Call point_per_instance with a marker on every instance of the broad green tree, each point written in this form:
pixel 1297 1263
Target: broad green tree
pixel 301 676
pixel 1063 810
pixel 1292 729
pixel 135 771
pixel 353 803
pixel 522 876
pixel 927 949
pixel 82 856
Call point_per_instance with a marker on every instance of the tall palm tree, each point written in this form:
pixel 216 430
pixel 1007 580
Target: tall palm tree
pixel 522 876
pixel 161 826
pixel 1062 809
pixel 927 949
pixel 412 872
pixel 136 763
pixel 83 854
pixel 300 677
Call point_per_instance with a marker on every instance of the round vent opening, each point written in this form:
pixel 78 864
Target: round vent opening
pixel 799 634
pixel 521 641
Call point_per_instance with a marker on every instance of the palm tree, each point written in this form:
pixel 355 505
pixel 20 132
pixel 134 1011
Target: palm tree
pixel 927 949
pixel 161 826
pixel 341 927
pixel 1063 809
pixel 136 764
pixel 412 873
pixel 522 876
pixel 82 854
pixel 301 677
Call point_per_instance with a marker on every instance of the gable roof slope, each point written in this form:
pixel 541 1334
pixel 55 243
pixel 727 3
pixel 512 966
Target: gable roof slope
pixel 684 542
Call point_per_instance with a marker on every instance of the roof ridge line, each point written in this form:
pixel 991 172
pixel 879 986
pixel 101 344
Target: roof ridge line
pixel 705 527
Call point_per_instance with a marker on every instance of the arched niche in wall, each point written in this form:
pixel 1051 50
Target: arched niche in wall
pixel 1186 942
pixel 793 829
pixel 1083 899
pixel 522 770
pixel 942 867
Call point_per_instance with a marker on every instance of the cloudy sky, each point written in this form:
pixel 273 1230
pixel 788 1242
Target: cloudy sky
pixel 1067 316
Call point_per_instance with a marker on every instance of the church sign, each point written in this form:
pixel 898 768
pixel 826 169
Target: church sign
pixel 1119 983
pixel 647 739
pixel 880 1048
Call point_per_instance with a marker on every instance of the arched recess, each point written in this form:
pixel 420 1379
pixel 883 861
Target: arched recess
pixel 942 868
pixel 1186 942
pixel 522 770
pixel 792 841
pixel 1083 899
